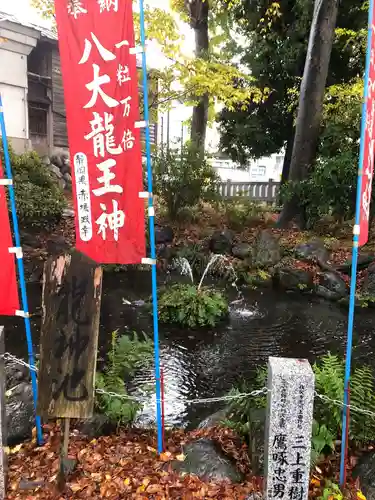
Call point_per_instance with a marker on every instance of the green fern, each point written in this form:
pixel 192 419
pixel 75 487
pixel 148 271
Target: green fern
pixel 329 381
pixel 124 358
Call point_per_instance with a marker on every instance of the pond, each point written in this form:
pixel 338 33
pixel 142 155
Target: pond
pixel 203 364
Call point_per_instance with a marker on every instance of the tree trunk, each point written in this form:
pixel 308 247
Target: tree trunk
pixel 198 11
pixel 311 102
pixel 287 160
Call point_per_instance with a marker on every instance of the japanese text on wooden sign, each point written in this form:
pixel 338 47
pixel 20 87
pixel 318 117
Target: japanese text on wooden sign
pixel 367 166
pixel 98 59
pixel 69 336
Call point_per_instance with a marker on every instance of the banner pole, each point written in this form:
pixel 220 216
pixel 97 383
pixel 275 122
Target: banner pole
pixel 152 231
pixel 21 273
pixel 353 278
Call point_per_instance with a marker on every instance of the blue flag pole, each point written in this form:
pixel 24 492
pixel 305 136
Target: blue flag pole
pixel 21 272
pixel 353 278
pixel 152 231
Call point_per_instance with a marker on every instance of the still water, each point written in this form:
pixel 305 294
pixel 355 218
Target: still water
pixel 201 364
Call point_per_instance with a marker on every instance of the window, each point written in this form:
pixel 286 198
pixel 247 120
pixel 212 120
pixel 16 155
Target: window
pixel 258 172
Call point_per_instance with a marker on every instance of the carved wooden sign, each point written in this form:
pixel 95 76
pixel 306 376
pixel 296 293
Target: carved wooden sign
pixel 69 336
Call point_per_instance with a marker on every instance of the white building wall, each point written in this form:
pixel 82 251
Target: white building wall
pixel 257 171
pixel 13 88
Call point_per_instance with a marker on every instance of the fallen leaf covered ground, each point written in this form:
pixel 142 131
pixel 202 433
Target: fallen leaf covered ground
pixel 126 466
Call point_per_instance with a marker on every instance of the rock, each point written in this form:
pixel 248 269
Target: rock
pixel 68 212
pixel 96 426
pixel 266 251
pixel 46 161
pixel 19 414
pixel 204 459
pixel 312 250
pixel 57 160
pixel 163 234
pixel 369 281
pixel 57 245
pixel 65 169
pixel 221 242
pixel 289 278
pixel 364 260
pixel 55 170
pixel 67 178
pixel 241 250
pixel 15 374
pixel 365 471
pixel 331 286
pixel 61 183
pixel 214 419
pixel 255 496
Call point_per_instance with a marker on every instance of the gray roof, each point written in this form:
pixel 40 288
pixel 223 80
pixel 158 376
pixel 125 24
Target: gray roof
pixel 44 32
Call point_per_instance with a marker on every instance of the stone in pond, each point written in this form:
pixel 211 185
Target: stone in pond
pixel 331 286
pixel 222 241
pixel 204 459
pixel 292 279
pixel 312 250
pixel 241 250
pixel 365 472
pixel 266 250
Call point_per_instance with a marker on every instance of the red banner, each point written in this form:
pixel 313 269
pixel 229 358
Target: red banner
pixel 369 142
pixel 9 301
pixel 98 60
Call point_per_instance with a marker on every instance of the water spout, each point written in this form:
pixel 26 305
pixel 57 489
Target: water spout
pixel 185 267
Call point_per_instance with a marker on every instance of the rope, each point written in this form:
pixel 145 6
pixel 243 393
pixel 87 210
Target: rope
pixel 260 392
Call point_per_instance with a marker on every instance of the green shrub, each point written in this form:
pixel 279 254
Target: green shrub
pixel 124 358
pixel 39 199
pixel 241 212
pixel 183 179
pixel 188 306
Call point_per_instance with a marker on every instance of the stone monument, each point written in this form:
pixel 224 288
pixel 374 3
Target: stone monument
pixel 288 429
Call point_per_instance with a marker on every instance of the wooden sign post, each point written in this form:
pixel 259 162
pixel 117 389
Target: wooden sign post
pixel 3 454
pixel 69 338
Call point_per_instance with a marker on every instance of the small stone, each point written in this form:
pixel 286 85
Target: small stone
pixel 221 242
pixel 331 286
pixel 163 234
pixel 293 279
pixel 369 281
pixel 55 170
pixel 204 459
pixel 266 250
pixel 242 250
pixel 46 161
pixel 56 160
pixel 61 183
pixel 365 472
pixel 213 419
pixel 67 178
pixel 312 250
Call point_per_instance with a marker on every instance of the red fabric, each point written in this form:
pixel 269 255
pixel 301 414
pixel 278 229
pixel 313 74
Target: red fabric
pixel 106 192
pixel 368 153
pixel 9 301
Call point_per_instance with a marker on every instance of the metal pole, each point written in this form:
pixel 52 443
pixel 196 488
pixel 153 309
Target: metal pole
pixel 353 280
pixel 21 273
pixel 152 232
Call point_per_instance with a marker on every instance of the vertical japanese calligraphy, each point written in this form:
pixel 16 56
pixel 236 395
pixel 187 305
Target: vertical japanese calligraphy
pixel 9 301
pixel 71 305
pixel 98 60
pixel 289 423
pixel 367 166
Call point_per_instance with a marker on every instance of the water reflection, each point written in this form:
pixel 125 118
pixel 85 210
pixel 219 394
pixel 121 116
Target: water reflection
pixel 201 364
